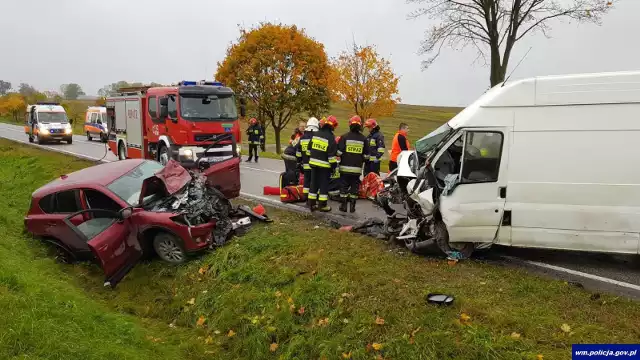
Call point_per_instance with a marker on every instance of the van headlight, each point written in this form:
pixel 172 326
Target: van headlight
pixel 68 129
pixel 238 149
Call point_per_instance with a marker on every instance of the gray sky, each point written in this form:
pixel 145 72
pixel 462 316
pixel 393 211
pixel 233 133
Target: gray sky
pixel 97 42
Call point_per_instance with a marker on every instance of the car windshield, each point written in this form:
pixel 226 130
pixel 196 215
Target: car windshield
pixel 52 117
pixel 429 141
pixel 211 107
pixel 129 185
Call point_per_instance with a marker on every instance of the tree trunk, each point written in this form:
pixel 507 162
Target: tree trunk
pixel 497 72
pixel 277 138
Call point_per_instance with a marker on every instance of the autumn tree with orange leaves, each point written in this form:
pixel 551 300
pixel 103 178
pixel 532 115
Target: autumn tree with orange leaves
pixel 364 80
pixel 12 105
pixel 281 70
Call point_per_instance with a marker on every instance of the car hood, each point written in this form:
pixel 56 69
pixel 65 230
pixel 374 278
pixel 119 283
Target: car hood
pixel 168 181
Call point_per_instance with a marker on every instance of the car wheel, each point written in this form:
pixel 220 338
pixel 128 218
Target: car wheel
pixel 61 255
pixel 169 248
pixel 70 141
pixel 88 136
pixel 441 237
pixel 121 153
pixel 163 155
pixel 38 140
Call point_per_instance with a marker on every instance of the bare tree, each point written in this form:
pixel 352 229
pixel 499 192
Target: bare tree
pixel 493 27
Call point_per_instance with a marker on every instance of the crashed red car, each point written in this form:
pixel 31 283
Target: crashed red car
pixel 118 211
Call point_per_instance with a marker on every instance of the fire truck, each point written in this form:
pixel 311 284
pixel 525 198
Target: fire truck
pixel 193 122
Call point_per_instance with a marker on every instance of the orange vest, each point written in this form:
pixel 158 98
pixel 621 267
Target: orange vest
pixel 395 146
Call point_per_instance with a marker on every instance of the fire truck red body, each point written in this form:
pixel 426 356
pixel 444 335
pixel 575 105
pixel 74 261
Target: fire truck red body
pixel 195 123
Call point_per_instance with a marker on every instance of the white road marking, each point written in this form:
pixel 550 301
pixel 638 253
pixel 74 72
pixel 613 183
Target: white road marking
pixel 258 169
pixel 577 273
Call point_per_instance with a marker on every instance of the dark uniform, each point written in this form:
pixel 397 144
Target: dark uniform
pixel 290 159
pixel 322 151
pixel 375 141
pixel 256 137
pixel 303 159
pixel 352 148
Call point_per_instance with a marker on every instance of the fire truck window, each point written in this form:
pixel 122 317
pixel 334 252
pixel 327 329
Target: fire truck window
pixel 173 110
pixel 153 108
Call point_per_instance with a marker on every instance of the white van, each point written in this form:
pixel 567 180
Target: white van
pixel 46 122
pixel 547 162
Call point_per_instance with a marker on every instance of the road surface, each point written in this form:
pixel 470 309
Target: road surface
pixel 620 274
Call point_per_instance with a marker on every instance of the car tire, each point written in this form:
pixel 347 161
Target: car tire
pixel 88 136
pixel 441 237
pixel 70 141
pixel 121 153
pixel 169 248
pixel 38 140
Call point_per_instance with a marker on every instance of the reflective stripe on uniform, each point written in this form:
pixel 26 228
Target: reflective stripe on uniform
pixel 313 196
pixel 375 160
pixel 355 142
pixel 332 159
pixel 254 142
pixel 289 157
pixel 319 163
pixel 323 197
pixel 366 157
pixel 305 190
pixel 350 169
pixel 298 154
pixel 353 196
pixel 339 152
pixel 381 150
pixel 306 166
pixel 334 192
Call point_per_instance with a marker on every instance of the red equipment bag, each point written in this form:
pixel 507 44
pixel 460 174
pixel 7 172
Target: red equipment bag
pixel 370 185
pixel 292 194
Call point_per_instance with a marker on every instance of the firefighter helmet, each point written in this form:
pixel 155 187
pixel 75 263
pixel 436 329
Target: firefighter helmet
pixel 370 123
pixel 355 120
pixel 331 120
pixel 312 124
pixel 253 121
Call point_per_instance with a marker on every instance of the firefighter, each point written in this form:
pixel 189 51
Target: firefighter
pixel 290 159
pixel 399 143
pixel 256 137
pixel 322 151
pixel 352 148
pixel 375 141
pixel 301 153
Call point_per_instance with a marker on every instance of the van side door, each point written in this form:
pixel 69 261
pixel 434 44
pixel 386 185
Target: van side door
pixel 473 206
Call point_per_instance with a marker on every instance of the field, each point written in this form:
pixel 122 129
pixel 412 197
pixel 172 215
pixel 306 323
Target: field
pixel 286 290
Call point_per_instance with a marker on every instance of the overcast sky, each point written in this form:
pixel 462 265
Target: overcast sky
pixel 97 42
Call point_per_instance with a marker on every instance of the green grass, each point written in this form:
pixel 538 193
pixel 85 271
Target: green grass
pixel 257 284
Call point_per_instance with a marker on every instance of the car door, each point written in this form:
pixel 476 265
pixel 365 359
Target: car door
pixel 225 176
pixel 111 238
pixel 473 207
pixel 56 207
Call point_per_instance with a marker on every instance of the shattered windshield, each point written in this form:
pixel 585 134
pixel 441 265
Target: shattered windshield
pixel 428 142
pixel 206 108
pixel 52 117
pixel 129 185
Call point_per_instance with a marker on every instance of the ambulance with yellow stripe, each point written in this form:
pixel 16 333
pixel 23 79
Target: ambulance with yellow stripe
pixel 47 121
pixel 95 123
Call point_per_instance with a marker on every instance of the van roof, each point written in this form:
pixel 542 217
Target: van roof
pixel 577 89
pixel 46 108
pixel 97 109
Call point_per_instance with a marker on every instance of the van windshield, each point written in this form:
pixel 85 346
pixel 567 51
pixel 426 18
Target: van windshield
pixel 429 141
pixel 52 117
pixel 208 107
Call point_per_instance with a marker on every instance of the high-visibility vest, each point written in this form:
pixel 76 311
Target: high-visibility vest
pixel 395 146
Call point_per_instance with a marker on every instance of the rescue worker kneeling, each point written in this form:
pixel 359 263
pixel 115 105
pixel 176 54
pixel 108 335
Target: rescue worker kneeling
pixel 302 148
pixel 352 149
pixel 322 159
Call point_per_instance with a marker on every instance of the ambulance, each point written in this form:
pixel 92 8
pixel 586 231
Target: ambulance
pixel 47 121
pixel 95 123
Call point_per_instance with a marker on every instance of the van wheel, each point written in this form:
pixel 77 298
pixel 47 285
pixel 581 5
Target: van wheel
pixel 38 140
pixel 30 138
pixel 121 153
pixel 441 237
pixel 70 141
pixel 88 136
pixel 169 248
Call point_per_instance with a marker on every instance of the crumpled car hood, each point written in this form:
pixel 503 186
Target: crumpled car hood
pixel 168 181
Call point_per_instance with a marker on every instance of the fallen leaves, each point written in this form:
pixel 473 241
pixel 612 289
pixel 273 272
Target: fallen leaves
pixel 465 319
pixel 290 300
pixel 208 340
pixel 565 328
pixel 231 333
pixel 191 301
pixel 273 347
pixel 346 355
pixel 203 270
pixel 413 334
pixel 377 346
pixel 301 310
pixel 201 321
pixel 539 357
pixel 278 294
pixel 323 322
pixel 379 320
pixel 515 335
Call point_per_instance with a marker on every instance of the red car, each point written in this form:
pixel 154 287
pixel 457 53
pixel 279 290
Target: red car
pixel 115 212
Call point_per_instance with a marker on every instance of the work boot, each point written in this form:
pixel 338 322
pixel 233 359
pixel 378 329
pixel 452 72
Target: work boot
pixel 248 159
pixel 343 204
pixel 311 203
pixel 324 207
pixel 352 207
pixel 256 159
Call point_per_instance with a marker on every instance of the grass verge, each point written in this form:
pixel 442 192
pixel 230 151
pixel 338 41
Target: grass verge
pixel 285 290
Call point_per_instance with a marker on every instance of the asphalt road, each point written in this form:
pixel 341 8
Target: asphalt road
pixel 619 274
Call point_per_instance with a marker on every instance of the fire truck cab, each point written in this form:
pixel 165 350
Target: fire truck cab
pixel 195 123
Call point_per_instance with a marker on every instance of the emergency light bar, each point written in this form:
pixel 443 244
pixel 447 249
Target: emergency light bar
pixel 47 103
pixel 201 82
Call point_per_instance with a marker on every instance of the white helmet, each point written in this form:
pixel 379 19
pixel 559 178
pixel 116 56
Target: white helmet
pixel 312 124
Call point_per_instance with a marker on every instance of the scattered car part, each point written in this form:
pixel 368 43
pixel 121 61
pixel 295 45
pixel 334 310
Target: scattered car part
pixel 440 299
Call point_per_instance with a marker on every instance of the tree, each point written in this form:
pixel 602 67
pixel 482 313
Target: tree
pixel 26 90
pixel 71 91
pixel 280 69
pixel 365 80
pixel 5 86
pixel 12 104
pixel 493 27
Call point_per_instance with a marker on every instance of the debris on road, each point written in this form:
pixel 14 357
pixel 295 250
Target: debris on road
pixel 440 299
